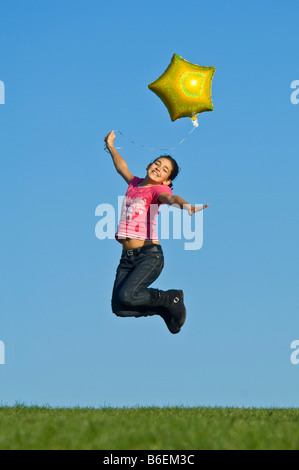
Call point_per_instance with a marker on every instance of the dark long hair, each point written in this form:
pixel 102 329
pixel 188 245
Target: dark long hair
pixel 175 167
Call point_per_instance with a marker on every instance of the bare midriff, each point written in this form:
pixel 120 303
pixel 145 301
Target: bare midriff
pixel 132 243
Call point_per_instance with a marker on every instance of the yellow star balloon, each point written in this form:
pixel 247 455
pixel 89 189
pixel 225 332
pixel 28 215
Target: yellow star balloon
pixel 185 88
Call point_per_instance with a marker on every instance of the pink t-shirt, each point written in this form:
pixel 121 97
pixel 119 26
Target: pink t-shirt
pixel 139 209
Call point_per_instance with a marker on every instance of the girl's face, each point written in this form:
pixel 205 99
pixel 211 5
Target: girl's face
pixel 160 170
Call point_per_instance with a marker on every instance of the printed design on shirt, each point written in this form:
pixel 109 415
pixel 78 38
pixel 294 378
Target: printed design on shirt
pixel 132 208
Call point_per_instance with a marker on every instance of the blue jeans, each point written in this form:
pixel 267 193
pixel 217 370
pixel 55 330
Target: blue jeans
pixel 137 270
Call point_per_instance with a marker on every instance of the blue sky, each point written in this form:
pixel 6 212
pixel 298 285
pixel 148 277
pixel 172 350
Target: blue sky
pixel 72 72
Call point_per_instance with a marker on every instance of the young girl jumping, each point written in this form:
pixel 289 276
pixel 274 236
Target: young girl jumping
pixel 142 257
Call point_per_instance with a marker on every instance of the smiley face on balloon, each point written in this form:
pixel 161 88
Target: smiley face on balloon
pixel 185 88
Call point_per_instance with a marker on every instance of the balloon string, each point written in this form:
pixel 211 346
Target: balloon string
pixel 150 148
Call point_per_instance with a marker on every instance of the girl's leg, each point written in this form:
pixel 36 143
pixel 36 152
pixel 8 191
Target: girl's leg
pixel 133 298
pixel 131 295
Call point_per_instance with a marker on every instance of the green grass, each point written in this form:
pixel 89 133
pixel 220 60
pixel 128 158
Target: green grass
pixel 174 428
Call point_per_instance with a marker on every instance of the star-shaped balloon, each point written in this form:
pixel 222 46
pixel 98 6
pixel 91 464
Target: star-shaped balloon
pixel 185 88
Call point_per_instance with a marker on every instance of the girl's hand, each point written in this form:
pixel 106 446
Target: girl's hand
pixel 194 209
pixel 109 139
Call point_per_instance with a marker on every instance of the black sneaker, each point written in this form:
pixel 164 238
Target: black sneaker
pixel 170 323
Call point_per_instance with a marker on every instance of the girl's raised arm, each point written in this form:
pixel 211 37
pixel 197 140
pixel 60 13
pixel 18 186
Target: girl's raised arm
pixel 119 163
